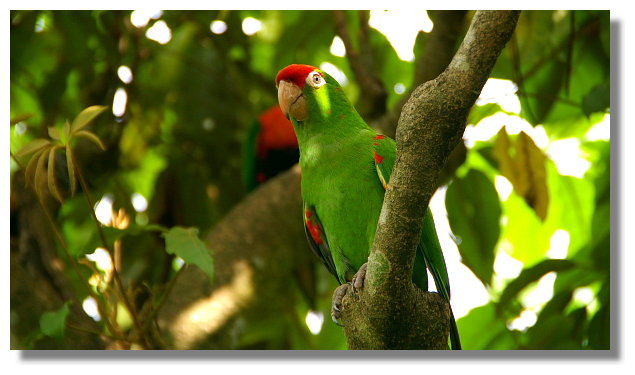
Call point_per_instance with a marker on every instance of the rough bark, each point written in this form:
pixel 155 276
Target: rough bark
pixel 389 312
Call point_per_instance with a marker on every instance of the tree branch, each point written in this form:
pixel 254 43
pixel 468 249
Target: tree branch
pixel 441 46
pixel 373 93
pixel 431 59
pixel 390 312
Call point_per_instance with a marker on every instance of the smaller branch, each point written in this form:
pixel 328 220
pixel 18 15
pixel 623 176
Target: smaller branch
pixel 567 74
pixel 71 259
pixel 155 311
pixel 342 31
pixel 588 27
pixel 441 45
pixel 517 74
pixel 96 333
pixel 553 98
pixel 438 49
pixel 373 93
pixel 366 51
pixel 115 273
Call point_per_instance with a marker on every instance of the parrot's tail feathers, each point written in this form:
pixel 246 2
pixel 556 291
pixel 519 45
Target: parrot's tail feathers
pixel 455 341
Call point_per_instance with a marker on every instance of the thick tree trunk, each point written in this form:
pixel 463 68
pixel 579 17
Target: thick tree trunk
pixel 389 312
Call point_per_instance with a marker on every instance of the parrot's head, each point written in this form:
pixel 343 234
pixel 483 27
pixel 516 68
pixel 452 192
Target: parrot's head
pixel 308 93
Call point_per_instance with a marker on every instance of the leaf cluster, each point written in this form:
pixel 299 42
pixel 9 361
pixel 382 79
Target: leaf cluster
pixel 512 200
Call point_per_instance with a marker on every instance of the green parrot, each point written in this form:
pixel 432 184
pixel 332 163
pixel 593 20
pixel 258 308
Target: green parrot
pixel 346 167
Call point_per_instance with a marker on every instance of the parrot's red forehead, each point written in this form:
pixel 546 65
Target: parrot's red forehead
pixel 295 73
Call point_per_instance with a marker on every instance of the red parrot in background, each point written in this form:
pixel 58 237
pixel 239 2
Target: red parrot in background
pixel 271 147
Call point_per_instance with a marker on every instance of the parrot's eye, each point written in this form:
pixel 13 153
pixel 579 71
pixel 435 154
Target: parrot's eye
pixel 315 79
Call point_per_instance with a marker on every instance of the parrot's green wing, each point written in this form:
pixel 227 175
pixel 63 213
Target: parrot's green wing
pixel 429 247
pixel 317 239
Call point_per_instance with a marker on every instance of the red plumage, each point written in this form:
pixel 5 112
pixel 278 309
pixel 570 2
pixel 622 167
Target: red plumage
pixel 378 158
pixel 295 73
pixel 276 132
pixel 314 228
pixel 270 147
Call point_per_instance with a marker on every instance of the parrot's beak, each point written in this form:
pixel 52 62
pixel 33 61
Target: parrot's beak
pixel 291 100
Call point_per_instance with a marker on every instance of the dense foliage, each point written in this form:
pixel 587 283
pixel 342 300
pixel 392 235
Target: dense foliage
pixel 167 165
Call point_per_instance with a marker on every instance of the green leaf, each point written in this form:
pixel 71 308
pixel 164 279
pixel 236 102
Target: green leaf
pixel 598 153
pixel 20 118
pixel 573 208
pixel 530 275
pixel 579 316
pixel 553 333
pixel 523 164
pixel 67 130
pixel 52 182
pixel 557 305
pixel 576 278
pixel 482 329
pixel 92 137
pixel 54 133
pixel 479 112
pixel 185 243
pixel 40 173
pixel 33 146
pixel 29 172
pixel 590 68
pixel 600 329
pixel 86 116
pixel 525 236
pixel 474 213
pixel 52 323
pixel 70 164
pixel 597 100
pixel 539 92
pixel 555 328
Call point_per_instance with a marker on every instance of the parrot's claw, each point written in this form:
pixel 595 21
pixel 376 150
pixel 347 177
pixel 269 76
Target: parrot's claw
pixel 336 305
pixel 356 283
pixel 334 319
pixel 360 276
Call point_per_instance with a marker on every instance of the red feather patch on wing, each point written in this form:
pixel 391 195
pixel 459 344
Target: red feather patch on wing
pixel 318 243
pixel 314 228
pixel 295 73
pixel 382 169
pixel 377 138
pixel 378 158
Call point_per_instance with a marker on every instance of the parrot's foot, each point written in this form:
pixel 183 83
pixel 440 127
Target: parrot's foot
pixel 356 283
pixel 336 304
pixel 360 276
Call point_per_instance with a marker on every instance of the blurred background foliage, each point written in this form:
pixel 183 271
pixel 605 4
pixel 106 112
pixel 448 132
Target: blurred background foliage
pixel 523 214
